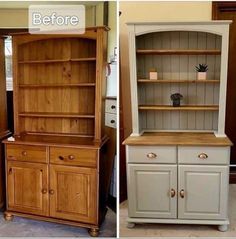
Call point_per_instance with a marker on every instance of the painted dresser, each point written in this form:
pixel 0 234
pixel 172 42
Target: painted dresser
pixel 178 157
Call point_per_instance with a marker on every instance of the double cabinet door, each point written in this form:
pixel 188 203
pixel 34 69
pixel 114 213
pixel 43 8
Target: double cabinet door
pixel 57 191
pixel 183 191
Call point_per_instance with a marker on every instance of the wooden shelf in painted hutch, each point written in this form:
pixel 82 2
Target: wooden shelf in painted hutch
pixel 184 146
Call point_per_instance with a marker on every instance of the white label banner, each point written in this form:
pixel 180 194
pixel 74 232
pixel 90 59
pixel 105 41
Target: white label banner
pixel 56 19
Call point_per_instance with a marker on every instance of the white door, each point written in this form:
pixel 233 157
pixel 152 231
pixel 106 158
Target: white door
pixel 152 190
pixel 203 192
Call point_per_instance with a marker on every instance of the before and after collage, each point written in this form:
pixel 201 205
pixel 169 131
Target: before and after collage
pixel 117 119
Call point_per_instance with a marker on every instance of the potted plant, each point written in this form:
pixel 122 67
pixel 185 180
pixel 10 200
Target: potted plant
pixel 176 97
pixel 201 71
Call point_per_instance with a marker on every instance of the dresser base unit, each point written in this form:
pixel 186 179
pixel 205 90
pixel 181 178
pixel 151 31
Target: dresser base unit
pixel 222 224
pixel 63 181
pixel 180 178
pixel 92 229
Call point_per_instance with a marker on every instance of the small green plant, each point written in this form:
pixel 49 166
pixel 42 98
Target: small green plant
pixel 176 97
pixel 202 68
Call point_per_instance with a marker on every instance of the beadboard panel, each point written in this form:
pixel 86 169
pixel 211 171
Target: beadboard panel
pixel 178 67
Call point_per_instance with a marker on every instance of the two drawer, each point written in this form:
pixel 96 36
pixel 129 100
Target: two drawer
pixel 26 153
pixel 203 155
pixel 180 154
pixel 72 156
pixel 152 154
pixel 57 155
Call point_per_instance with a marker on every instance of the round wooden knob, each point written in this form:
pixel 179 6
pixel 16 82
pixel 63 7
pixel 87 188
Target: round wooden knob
pixel 71 157
pixel 51 191
pixel 113 121
pixel 61 157
pixel 202 156
pixel 24 153
pixel 151 155
pixel 113 106
pixel 44 191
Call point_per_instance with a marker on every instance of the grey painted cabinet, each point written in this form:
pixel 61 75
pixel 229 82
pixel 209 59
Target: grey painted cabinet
pixel 151 187
pixel 178 155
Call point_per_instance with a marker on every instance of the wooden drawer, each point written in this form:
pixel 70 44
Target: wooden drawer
pixel 152 154
pixel 26 153
pixel 72 156
pixel 203 155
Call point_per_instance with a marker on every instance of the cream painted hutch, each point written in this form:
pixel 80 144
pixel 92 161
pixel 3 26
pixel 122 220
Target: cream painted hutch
pixel 178 157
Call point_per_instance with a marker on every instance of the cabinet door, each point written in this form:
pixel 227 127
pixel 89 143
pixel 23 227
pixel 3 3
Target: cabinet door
pixel 73 193
pixel 151 190
pixel 27 185
pixel 203 192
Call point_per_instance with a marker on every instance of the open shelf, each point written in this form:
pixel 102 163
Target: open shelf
pixel 57 60
pixel 177 81
pixel 178 52
pixel 56 85
pixel 55 115
pixel 180 108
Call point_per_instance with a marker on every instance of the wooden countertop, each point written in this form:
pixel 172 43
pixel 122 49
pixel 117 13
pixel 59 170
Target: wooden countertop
pixel 67 141
pixel 184 139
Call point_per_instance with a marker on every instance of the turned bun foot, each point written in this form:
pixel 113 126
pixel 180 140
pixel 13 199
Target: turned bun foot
pixel 223 228
pixel 8 216
pixel 93 232
pixel 130 225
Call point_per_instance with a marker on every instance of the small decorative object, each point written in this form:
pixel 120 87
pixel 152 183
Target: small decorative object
pixel 153 74
pixel 176 97
pixel 201 71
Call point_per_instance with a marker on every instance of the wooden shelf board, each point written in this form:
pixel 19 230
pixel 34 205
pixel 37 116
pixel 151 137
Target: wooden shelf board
pixel 181 108
pixel 56 85
pixel 57 60
pixel 55 115
pixel 179 52
pixel 177 81
pixel 178 138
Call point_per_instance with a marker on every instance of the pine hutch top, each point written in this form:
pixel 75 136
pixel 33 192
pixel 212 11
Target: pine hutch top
pixel 59 88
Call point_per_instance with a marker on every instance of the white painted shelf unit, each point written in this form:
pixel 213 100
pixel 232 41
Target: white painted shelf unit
pixel 174 49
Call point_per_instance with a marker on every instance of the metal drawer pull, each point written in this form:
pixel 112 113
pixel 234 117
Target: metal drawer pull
pixel 151 155
pixel 71 157
pixel 181 193
pixel 202 156
pixel 44 191
pixel 172 192
pixel 24 153
pixel 113 106
pixel 113 121
pixel 51 191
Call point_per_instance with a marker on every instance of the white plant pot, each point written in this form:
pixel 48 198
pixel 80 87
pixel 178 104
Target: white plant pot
pixel 153 75
pixel 201 75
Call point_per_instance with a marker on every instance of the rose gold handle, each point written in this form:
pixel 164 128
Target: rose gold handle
pixel 181 193
pixel 44 191
pixel 51 191
pixel 71 157
pixel 151 155
pixel 172 192
pixel 24 153
pixel 202 156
